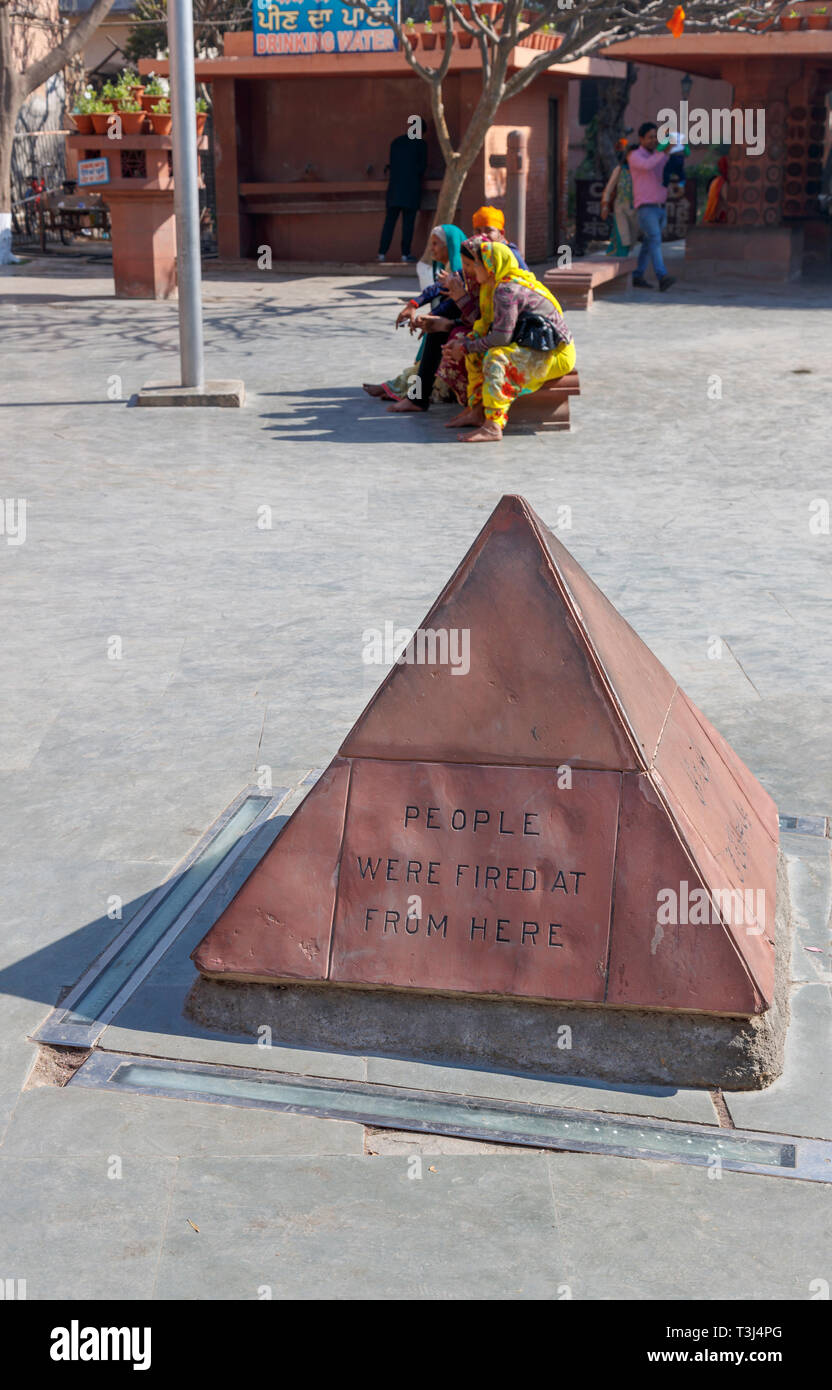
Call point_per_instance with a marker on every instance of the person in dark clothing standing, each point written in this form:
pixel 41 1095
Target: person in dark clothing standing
pixel 408 161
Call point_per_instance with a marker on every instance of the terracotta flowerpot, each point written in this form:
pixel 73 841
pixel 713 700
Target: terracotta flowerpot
pixel 489 11
pixel 436 13
pixel 99 121
pixel 132 122
pixel 82 121
pixel 201 118
pixel 428 41
pixel 137 92
pixel 465 40
pixel 148 102
pixel 465 11
pixel 411 38
pixel 817 21
pixel 790 23
pixel 160 124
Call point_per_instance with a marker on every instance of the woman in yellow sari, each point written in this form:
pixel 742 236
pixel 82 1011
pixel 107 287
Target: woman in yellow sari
pixel 513 306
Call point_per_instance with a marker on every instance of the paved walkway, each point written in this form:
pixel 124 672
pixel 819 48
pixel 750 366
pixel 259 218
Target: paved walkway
pixel 696 464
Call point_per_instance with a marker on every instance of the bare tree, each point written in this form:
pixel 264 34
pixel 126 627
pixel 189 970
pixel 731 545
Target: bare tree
pixel 584 26
pixel 19 78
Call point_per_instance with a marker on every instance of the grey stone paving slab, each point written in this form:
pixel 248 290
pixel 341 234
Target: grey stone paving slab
pixel 73 1232
pixel 8 1100
pixel 16 1058
pixel 350 1228
pixel 72 1121
pixel 785 741
pixel 66 889
pixel 637 1229
pixel 800 1101
pixel 658 1101
pixel 810 883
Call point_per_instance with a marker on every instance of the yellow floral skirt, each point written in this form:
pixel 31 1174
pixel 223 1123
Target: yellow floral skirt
pixel 499 376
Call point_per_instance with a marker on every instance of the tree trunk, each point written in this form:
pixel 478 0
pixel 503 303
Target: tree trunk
pixel 610 115
pixel 9 102
pixel 453 182
pixel 460 166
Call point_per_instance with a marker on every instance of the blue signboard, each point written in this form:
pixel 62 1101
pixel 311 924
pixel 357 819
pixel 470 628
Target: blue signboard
pixel 321 26
pixel 92 171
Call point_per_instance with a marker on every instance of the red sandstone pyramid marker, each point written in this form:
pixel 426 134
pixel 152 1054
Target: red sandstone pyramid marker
pixel 561 823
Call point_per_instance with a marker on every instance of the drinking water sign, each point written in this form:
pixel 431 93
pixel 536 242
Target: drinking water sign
pixel 322 26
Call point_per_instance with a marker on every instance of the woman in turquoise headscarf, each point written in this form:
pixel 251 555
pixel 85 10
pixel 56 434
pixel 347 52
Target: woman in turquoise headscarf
pixel 445 249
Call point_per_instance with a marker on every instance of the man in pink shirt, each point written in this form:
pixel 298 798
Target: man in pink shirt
pixel 646 166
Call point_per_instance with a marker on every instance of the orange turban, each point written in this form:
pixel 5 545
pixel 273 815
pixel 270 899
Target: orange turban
pixel 489 217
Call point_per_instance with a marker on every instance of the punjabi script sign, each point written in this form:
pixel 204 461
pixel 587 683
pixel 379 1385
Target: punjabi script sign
pixel 314 26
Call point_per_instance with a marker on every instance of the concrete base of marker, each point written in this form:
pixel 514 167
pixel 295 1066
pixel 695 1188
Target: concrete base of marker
pixel 636 1046
pixel 217 393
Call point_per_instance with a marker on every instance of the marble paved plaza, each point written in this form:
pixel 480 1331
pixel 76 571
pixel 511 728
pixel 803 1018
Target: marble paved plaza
pixel 185 617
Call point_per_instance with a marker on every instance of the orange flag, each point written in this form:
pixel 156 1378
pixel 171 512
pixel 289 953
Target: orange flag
pixel 676 23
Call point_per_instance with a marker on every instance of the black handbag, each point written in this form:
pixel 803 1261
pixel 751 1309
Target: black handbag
pixel 533 331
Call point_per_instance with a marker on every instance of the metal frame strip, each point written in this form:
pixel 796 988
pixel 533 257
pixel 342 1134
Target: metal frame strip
pixel 393 1107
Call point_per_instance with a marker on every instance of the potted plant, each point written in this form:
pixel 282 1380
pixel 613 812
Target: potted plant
pixel 436 13
pixel 791 21
pixel 410 33
pixel 81 113
pixel 489 11
pixel 132 83
pixel 201 115
pixel 465 11
pixel 818 19
pixel 131 115
pixel 153 90
pixel 160 118
pixel 100 113
pixel 464 38
pixel 428 37
pixel 111 94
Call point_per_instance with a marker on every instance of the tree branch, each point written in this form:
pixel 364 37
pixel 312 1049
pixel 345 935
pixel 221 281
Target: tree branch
pixel 72 43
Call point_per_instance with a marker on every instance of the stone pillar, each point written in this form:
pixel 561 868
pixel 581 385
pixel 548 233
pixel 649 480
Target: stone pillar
pixel 140 198
pixel 144 243
pixel 226 170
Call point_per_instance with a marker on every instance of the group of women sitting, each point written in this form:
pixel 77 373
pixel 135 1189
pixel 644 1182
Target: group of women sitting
pixel 493 333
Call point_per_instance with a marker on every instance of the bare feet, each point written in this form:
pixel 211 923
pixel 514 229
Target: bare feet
pixel 400 407
pixel 469 417
pixel 372 390
pixel 488 433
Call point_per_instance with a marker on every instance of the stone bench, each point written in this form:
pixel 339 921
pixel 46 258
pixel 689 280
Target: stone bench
pixel 547 408
pixel 575 285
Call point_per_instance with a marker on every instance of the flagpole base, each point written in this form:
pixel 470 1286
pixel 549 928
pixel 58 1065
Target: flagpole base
pixel 215 393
